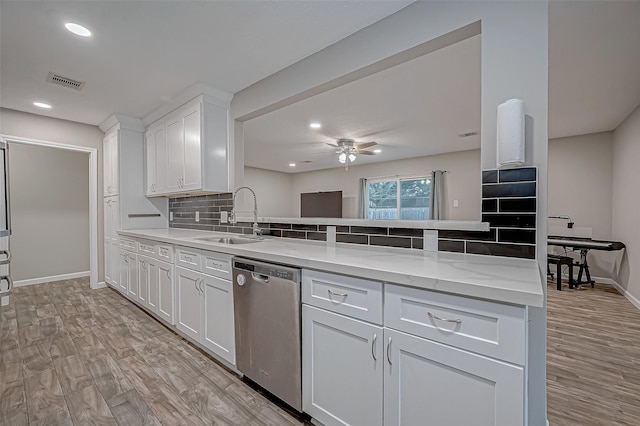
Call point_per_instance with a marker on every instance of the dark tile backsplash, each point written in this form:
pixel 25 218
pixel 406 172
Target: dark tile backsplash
pixel 501 190
pixel 508 204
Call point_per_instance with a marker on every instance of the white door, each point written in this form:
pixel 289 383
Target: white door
pixel 144 279
pixel 189 303
pixel 192 154
pixel 219 330
pixel 166 291
pixel 342 369
pixel 175 154
pixel 428 383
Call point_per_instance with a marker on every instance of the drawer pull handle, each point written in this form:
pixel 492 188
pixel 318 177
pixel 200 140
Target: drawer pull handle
pixel 389 352
pixel 333 293
pixel 7 259
pixel 457 321
pixel 373 345
pixel 168 274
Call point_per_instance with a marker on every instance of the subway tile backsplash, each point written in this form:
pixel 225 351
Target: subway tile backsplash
pixel 508 204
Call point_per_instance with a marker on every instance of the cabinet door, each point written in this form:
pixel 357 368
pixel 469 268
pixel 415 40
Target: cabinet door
pixel 153 285
pixel 218 327
pixel 166 291
pixel 124 270
pixel 133 286
pixel 192 153
pixel 115 265
pixel 342 369
pixel 435 384
pixel 156 161
pixel 175 154
pixel 144 279
pixel 110 163
pixel 189 303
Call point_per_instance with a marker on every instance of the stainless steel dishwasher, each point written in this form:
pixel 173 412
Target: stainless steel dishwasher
pixel 266 301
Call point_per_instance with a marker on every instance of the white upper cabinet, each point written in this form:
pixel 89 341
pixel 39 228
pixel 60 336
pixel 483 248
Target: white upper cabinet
pixel 188 150
pixel 110 163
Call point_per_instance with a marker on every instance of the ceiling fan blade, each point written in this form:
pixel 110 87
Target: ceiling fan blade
pixel 366 145
pixel 364 153
pixel 332 145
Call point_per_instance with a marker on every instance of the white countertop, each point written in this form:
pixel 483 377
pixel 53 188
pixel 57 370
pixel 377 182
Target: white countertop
pixel 502 279
pixel 457 225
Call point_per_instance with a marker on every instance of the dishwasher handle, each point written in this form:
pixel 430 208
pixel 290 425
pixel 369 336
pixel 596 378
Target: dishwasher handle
pixel 262 278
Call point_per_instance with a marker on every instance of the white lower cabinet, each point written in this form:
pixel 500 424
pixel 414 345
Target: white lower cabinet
pixel 127 272
pixel 413 368
pixel 189 303
pixel 162 292
pixel 145 266
pixel 218 328
pixel 426 382
pixel 342 369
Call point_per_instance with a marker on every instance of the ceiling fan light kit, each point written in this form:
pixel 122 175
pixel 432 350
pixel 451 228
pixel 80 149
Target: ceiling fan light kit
pixel 347 150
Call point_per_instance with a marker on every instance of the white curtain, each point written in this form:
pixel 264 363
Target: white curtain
pixel 362 199
pixel 436 201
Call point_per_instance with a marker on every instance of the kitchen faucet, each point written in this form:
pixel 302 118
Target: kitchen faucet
pixel 232 215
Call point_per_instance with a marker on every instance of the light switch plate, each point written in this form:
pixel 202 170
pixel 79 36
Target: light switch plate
pixel 197 216
pixel 331 234
pixel 170 216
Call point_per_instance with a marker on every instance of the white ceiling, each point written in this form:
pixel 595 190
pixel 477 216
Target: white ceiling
pixel 142 54
pixel 413 109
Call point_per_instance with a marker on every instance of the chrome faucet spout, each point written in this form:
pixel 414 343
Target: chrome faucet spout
pixel 232 215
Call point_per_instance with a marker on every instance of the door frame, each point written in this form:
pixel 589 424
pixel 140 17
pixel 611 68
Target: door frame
pixel 93 196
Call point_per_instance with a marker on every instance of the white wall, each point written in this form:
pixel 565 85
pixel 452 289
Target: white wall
pixel 16 123
pixel 273 191
pixel 514 64
pixel 462 181
pixel 49 211
pixel 580 185
pixel 626 200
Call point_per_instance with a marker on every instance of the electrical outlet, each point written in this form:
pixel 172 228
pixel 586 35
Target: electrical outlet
pixel 455 203
pixel 197 216
pixel 170 216
pixel 430 240
pixel 224 216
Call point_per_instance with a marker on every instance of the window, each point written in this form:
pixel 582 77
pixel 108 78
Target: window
pixel 399 198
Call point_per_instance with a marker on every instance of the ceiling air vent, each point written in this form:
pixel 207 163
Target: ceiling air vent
pixel 65 81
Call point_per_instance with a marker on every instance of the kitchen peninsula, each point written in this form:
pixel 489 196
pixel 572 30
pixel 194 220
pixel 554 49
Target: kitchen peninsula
pixel 393 322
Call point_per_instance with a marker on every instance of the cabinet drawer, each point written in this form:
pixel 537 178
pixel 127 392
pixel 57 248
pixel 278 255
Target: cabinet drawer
pixel 188 258
pixel 148 248
pixel 350 296
pixel 164 252
pixel 216 264
pixel 488 328
pixel 128 244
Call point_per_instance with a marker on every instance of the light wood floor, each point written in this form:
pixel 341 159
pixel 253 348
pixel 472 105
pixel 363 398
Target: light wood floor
pixel 74 356
pixel 70 355
pixel 593 357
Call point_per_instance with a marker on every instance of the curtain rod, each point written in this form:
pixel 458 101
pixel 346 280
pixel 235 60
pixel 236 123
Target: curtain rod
pixel 402 176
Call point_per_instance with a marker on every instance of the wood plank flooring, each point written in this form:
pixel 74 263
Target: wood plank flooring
pixel 74 356
pixel 593 357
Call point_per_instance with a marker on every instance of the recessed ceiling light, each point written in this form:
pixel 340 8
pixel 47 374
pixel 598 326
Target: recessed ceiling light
pixel 77 29
pixel 315 125
pixel 292 164
pixel 377 151
pixel 42 105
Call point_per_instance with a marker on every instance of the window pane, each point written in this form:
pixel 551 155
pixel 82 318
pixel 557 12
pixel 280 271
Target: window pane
pixel 414 199
pixel 383 200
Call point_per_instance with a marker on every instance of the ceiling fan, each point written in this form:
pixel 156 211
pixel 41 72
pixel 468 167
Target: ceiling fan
pixel 348 148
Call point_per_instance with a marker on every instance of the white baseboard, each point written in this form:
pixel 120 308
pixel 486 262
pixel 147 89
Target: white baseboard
pixel 52 278
pixel 101 284
pixel 631 298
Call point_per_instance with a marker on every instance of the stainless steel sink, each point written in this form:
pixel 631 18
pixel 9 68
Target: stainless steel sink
pixel 231 240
